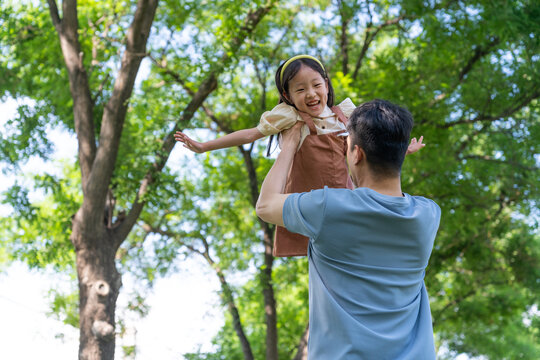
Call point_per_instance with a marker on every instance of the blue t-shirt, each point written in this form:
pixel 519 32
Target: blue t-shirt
pixel 367 258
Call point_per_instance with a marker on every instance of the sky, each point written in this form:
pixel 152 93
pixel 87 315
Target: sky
pixel 184 308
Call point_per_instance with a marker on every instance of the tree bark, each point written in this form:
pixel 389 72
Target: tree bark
pixel 301 353
pixel 99 286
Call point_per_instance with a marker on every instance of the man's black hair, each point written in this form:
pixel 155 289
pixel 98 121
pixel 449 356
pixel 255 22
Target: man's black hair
pixel 382 129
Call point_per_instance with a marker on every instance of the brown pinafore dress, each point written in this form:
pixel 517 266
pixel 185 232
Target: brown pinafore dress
pixel 320 161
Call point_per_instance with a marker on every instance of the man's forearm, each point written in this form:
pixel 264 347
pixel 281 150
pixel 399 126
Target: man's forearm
pixel 271 198
pixel 275 180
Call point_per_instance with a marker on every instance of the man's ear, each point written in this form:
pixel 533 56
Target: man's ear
pixel 358 154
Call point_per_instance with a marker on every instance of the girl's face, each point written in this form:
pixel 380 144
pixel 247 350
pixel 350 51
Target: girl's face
pixel 308 91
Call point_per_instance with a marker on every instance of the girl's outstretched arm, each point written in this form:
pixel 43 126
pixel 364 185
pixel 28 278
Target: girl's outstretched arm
pixel 415 145
pixel 236 138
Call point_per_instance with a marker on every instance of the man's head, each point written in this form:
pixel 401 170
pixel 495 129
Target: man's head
pixel 381 130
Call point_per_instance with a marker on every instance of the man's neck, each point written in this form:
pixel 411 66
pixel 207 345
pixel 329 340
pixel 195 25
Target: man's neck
pixel 386 186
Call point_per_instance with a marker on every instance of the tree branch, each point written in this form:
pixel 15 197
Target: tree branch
pixel 369 36
pixel 262 81
pixel 266 271
pixel 115 110
pixel 479 53
pixel 231 305
pixel 67 29
pixel 55 16
pixel 523 101
pixel 454 302
pixel 344 38
pixel 268 230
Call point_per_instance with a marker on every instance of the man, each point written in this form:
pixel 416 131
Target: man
pixel 368 247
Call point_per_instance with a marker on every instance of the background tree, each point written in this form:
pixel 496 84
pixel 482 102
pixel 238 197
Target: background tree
pixel 468 71
pixel 98 116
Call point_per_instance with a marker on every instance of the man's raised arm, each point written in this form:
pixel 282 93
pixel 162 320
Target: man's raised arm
pixel 271 199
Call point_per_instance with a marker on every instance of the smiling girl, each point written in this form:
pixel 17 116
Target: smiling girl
pixel 306 95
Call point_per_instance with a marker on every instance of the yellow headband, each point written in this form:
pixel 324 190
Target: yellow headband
pixel 296 58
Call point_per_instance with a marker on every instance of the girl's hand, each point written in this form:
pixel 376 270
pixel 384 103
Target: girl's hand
pixel 189 143
pixel 415 145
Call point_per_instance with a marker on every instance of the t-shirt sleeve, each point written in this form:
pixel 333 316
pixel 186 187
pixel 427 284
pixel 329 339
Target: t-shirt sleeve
pixel 347 107
pixel 436 214
pixel 304 213
pixel 280 118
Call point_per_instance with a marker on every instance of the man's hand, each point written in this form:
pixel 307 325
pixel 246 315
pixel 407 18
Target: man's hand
pixel 291 137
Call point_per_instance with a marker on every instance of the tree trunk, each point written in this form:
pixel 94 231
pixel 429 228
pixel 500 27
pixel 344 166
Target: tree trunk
pixel 301 353
pixel 344 38
pixel 96 243
pixel 99 286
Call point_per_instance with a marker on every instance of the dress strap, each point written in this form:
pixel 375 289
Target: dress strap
pixel 309 122
pixel 336 110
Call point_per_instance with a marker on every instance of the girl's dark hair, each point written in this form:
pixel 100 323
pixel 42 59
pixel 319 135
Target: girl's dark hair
pixel 291 70
pixel 382 129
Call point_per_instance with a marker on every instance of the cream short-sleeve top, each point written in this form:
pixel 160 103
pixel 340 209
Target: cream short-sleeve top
pixel 284 116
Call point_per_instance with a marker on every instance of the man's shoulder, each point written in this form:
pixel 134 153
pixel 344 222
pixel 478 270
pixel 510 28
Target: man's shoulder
pixel 363 194
pixel 321 197
pixel 338 197
pixel 422 200
pixel 369 199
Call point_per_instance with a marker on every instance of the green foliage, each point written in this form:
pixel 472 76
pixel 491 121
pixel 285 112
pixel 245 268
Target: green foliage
pixel 32 70
pixel 38 230
pixel 64 306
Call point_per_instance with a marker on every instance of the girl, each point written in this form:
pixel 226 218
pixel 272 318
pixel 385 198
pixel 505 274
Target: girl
pixel 306 95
